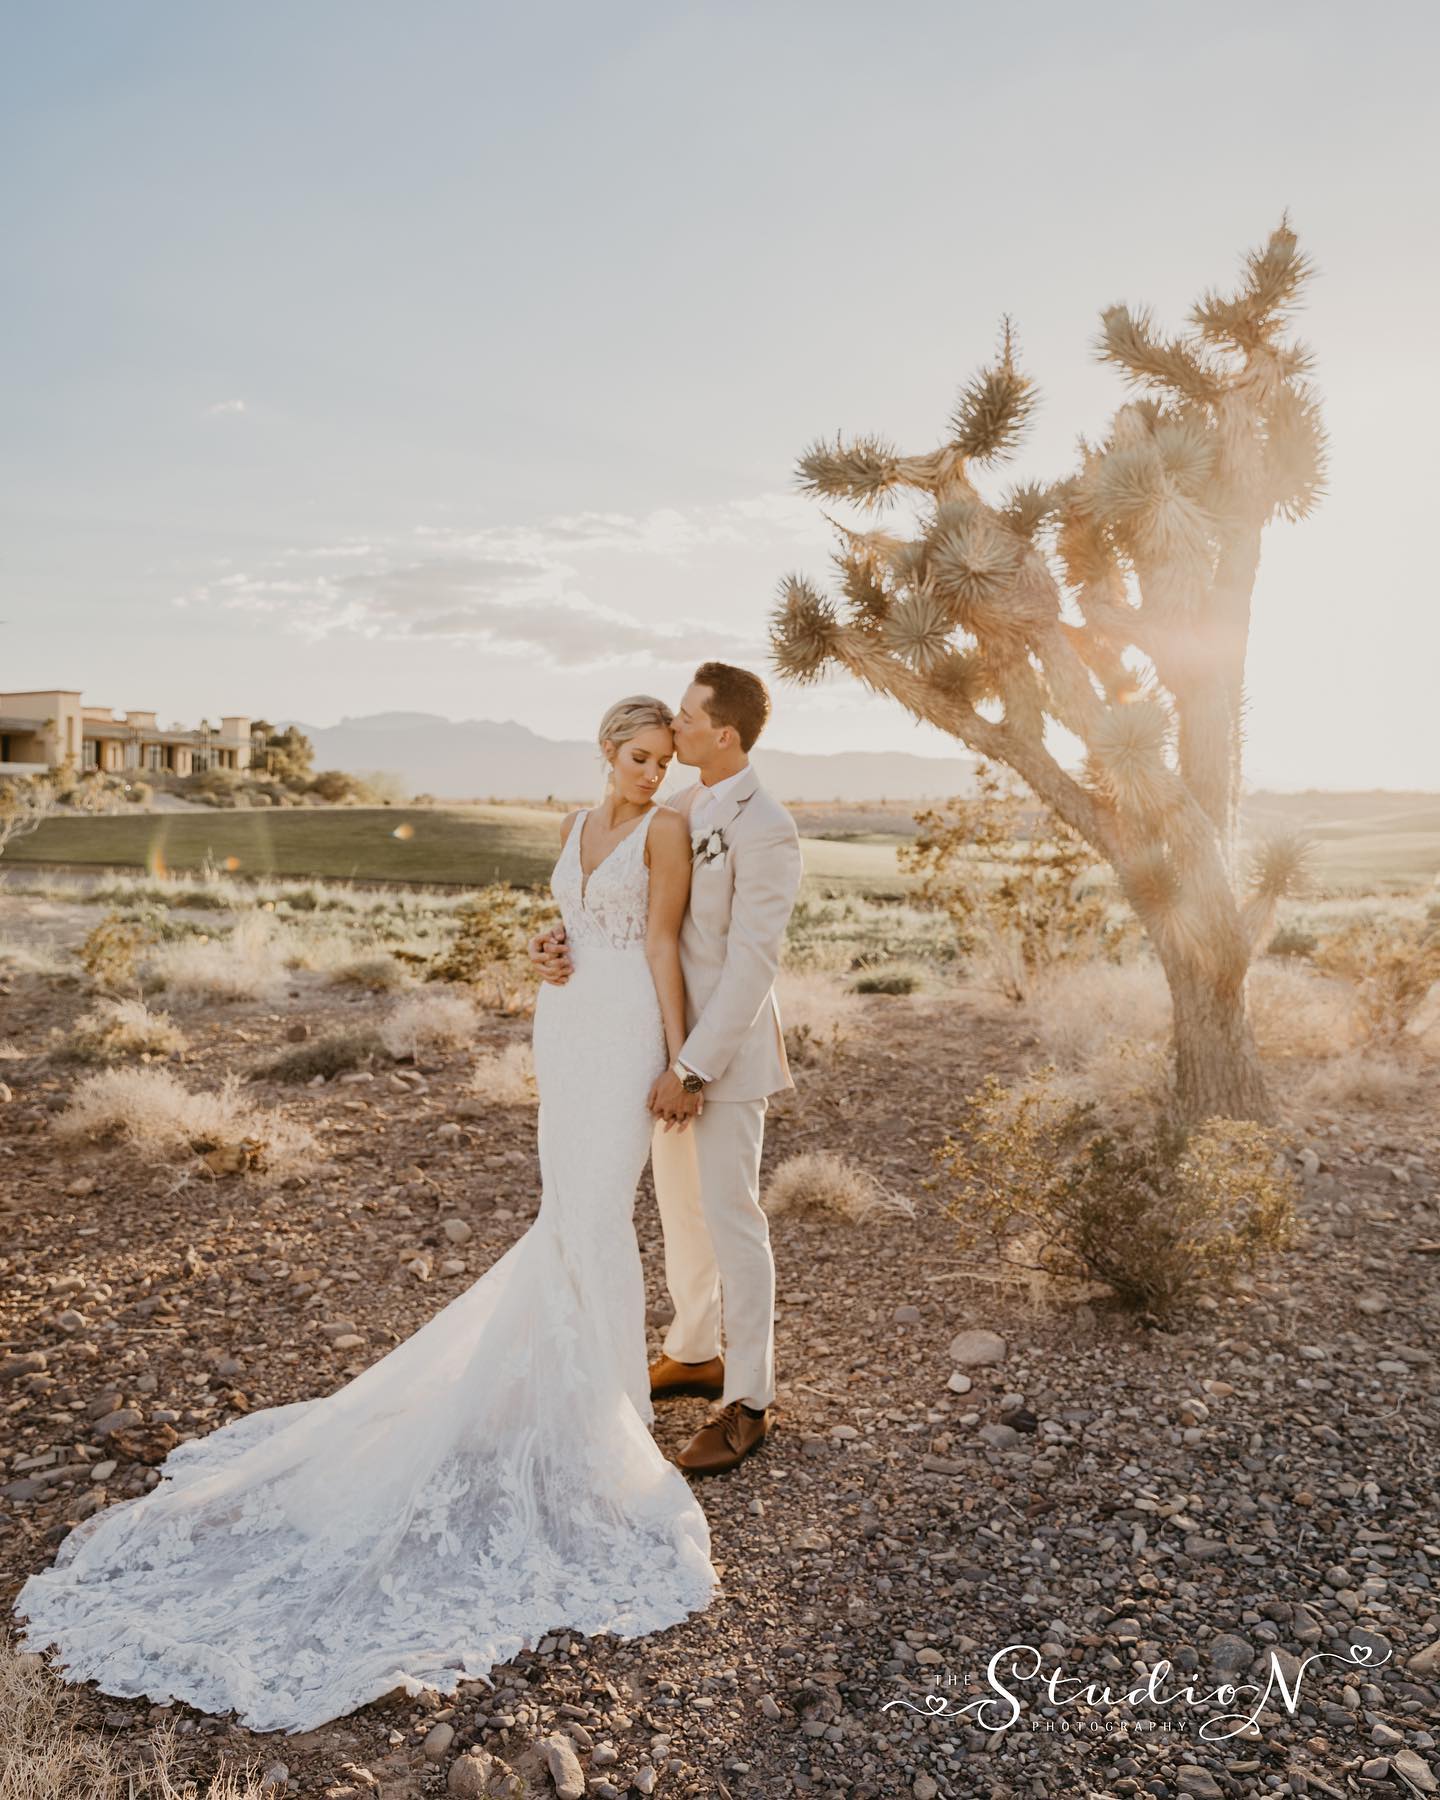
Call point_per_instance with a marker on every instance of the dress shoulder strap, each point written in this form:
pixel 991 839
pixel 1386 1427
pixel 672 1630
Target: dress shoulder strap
pixel 650 818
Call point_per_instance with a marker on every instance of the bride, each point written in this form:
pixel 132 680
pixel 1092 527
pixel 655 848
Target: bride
pixel 493 1477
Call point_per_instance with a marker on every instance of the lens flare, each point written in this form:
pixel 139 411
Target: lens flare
pixel 404 832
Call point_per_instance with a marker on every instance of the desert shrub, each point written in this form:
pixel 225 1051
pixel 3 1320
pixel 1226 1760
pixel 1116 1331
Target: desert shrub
pixel 889 978
pixel 34 959
pixel 1393 964
pixel 429 1021
pixel 1366 1078
pixel 505 1077
pixel 1292 940
pixel 816 1013
pixel 1157 1212
pixel 1105 1027
pixel 377 972
pixel 115 1028
pixel 249 962
pixel 487 952
pixel 46 1752
pixel 1020 900
pixel 1297 1011
pixel 112 951
pixel 818 1181
pixel 337 1053
pixel 338 787
pixel 151 1109
pixel 1076 1010
pixel 211 787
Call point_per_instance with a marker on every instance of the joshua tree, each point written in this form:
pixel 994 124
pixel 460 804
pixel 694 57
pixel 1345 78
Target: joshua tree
pixel 1114 602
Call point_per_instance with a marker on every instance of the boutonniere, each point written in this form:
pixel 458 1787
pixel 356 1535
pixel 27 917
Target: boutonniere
pixel 707 845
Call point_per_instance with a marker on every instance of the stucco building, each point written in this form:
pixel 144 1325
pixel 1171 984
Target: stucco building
pixel 48 727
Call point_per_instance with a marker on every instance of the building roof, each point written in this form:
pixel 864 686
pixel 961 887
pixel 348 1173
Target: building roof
pixel 149 734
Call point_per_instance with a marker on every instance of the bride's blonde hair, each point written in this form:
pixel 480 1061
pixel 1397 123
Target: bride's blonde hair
pixel 627 718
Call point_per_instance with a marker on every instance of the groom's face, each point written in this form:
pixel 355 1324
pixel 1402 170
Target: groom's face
pixel 696 739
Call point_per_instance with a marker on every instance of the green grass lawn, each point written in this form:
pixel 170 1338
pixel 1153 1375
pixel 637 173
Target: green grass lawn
pixel 472 845
pixel 468 845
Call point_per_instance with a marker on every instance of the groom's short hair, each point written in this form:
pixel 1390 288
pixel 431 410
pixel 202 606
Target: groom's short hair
pixel 737 699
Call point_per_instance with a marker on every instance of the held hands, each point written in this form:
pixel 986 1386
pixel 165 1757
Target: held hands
pixel 670 1102
pixel 550 955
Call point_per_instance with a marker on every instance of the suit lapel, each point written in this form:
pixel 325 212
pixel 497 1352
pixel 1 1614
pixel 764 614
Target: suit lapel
pixel 730 808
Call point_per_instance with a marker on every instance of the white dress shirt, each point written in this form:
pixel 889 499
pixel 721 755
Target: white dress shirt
pixel 705 806
pixel 710 798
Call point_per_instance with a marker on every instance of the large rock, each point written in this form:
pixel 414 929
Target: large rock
pixel 122 1419
pixel 1426 1662
pixel 438 1740
pixel 469 1776
pixel 1198 1783
pixel 28 1362
pixel 564 1767
pixel 1419 1773
pixel 975 1349
pixel 1230 1653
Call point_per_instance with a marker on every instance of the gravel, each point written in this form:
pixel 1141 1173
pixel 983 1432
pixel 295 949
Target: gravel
pixel 1257 1481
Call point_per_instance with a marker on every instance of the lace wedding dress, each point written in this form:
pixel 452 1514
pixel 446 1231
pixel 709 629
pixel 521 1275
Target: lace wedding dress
pixel 491 1479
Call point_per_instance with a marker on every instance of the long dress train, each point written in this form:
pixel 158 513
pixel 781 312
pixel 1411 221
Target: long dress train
pixel 491 1479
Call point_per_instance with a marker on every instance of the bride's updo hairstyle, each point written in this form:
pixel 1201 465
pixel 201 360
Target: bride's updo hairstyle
pixel 627 718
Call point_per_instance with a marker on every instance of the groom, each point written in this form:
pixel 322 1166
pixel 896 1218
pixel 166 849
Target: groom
pixel 745 876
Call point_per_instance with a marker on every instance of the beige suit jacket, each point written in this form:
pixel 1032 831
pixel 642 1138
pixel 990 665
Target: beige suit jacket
pixel 740 905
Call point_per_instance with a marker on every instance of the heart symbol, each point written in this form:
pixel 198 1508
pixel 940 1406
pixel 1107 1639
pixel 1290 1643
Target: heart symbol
pixel 1362 1652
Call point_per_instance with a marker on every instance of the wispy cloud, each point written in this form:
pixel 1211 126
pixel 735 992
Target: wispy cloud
pixel 520 590
pixel 227 406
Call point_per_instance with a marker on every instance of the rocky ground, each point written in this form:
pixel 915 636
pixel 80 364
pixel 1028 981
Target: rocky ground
pixel 959 1465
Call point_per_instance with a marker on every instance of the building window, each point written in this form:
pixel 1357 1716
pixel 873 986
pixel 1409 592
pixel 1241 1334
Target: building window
pixel 90 754
pixel 154 756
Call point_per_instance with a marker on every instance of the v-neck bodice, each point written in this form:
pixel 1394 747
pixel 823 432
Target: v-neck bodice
pixel 611 904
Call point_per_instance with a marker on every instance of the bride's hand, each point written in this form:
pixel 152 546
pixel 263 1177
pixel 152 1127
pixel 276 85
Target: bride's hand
pixel 670 1101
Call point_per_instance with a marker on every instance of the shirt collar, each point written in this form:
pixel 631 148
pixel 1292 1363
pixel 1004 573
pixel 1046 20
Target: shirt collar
pixel 718 791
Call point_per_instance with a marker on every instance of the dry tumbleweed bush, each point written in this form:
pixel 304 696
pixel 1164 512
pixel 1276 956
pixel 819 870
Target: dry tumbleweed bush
pixel 116 1028
pixel 818 1181
pixel 505 1077
pixel 44 1756
pixel 151 1109
pixel 429 1020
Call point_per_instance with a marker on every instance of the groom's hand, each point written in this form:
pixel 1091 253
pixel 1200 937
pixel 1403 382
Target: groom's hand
pixel 669 1101
pixel 550 955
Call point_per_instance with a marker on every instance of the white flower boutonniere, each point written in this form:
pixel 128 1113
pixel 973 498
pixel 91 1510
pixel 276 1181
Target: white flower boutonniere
pixel 707 846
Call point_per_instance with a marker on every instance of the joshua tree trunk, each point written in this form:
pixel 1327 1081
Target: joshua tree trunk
pixel 1217 1066
pixel 1114 603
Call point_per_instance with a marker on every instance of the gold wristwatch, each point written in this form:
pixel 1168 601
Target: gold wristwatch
pixel 689 1080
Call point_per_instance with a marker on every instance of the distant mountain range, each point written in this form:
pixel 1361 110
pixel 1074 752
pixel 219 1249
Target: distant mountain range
pixel 481 759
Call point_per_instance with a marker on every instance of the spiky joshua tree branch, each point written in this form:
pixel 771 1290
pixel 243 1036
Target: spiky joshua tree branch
pixel 1114 602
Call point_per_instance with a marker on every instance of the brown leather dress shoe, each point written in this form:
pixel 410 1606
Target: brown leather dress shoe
pixel 725 1439
pixel 670 1379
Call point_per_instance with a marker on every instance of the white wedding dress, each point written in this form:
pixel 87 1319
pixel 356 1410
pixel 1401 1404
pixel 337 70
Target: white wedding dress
pixel 489 1480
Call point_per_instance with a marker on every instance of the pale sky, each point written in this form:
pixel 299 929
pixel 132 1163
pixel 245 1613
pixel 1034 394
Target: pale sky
pixel 456 357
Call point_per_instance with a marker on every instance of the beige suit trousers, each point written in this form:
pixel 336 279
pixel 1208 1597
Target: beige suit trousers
pixel 718 1263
